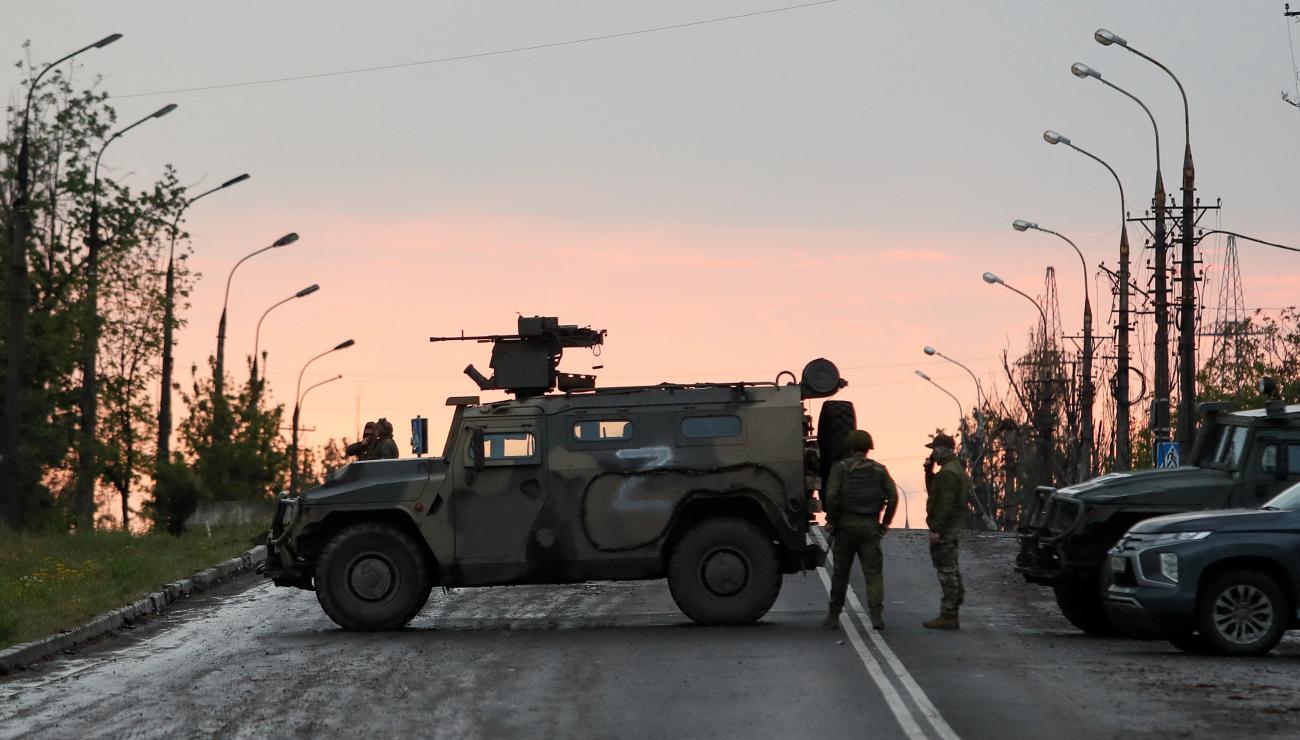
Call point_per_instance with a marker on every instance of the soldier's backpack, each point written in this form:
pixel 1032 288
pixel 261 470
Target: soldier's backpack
pixel 864 488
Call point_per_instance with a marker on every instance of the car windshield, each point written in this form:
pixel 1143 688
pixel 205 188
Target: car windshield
pixel 1287 500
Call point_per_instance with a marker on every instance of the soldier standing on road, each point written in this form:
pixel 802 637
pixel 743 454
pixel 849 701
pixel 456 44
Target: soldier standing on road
pixel 385 448
pixel 945 514
pixel 858 491
pixel 361 448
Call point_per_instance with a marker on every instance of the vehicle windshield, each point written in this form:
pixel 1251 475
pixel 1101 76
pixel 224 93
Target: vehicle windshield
pixel 1229 448
pixel 1287 500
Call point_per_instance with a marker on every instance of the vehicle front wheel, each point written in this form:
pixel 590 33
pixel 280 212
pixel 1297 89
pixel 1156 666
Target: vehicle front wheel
pixel 1242 612
pixel 724 571
pixel 372 577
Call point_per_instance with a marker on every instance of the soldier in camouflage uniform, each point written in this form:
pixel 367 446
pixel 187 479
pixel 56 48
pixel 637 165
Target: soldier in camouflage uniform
pixel 945 514
pixel 384 448
pixel 858 492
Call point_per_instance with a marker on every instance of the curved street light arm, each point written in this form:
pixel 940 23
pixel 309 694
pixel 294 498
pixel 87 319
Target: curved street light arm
pixel 1204 234
pixel 1123 208
pixel 1086 291
pixel 317 385
pixel 1133 97
pixel 979 389
pixel 1041 312
pixel 1187 119
pixel 961 412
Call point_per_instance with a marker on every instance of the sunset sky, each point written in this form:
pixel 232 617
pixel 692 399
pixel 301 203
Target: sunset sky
pixel 729 199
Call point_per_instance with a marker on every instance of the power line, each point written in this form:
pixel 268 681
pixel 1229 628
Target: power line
pixel 476 55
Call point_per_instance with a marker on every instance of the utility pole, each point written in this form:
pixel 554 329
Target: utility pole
pixel 1160 421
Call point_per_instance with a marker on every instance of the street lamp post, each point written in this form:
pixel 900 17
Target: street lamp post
pixel 218 380
pixel 1187 311
pixel 20 225
pixel 297 406
pixel 1085 386
pixel 1160 422
pixel 169 312
pixel 299 403
pixel 255 389
pixel 1123 456
pixel 992 279
pixel 84 495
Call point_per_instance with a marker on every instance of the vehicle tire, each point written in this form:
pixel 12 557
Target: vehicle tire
pixel 372 577
pixel 1242 612
pixel 836 420
pixel 1188 641
pixel 724 571
pixel 1084 604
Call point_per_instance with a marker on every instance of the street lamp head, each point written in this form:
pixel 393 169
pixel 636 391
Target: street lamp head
pixel 930 350
pixel 992 279
pixel 1083 71
pixel 107 40
pixel 345 345
pixel 307 291
pixel 235 180
pixel 923 376
pixel 1022 225
pixel 1051 137
pixel 286 240
pixel 165 110
pixel 1106 38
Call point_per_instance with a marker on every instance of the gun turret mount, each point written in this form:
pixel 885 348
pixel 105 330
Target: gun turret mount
pixel 526 364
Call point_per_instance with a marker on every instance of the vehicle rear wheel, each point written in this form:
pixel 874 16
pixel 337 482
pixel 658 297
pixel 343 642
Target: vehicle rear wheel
pixel 836 420
pixel 1242 612
pixel 1084 604
pixel 724 571
pixel 372 577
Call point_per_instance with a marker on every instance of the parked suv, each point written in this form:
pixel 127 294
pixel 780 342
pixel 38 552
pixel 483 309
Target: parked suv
pixel 701 483
pixel 1241 459
pixel 1225 581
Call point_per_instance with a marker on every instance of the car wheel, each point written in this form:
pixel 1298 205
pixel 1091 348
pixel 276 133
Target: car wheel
pixel 1083 603
pixel 1242 612
pixel 724 571
pixel 372 577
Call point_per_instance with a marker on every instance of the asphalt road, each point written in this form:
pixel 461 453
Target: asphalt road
pixel 619 660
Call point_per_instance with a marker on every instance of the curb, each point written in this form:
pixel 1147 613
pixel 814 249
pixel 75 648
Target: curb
pixel 19 656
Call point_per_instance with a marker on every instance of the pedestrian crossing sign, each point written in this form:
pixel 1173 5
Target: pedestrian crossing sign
pixel 1168 455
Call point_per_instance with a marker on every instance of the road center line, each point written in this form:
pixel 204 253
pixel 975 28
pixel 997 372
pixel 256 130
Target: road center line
pixel 913 689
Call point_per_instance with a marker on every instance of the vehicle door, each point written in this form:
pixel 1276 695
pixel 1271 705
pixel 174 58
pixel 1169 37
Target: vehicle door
pixel 1273 465
pixel 500 489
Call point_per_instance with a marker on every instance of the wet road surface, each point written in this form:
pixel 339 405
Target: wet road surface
pixel 619 660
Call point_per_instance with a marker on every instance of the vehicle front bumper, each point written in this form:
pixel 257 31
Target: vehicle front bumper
pixel 1050 523
pixel 1138 590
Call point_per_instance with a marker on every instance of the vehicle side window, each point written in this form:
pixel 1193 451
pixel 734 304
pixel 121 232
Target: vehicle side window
pixel 711 427
pixel 1293 461
pixel 1268 459
pixel 502 447
pixel 601 430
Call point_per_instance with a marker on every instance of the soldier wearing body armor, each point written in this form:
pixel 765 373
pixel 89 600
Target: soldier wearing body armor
pixel 861 500
pixel 945 514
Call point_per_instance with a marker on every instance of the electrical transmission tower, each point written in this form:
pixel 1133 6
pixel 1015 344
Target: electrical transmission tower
pixel 1052 308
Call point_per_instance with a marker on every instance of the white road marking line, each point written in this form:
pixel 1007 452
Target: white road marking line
pixel 914 689
pixel 895 702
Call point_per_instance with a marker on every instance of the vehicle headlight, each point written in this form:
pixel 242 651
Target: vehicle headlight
pixel 1172 537
pixel 1169 566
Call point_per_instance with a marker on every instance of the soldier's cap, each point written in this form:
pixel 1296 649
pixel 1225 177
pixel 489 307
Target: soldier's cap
pixel 942 440
pixel 859 440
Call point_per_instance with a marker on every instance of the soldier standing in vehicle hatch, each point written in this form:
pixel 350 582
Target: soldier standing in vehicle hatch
pixel 384 448
pixel 945 514
pixel 858 491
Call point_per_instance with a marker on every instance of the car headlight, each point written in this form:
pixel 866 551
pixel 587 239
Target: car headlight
pixel 1172 537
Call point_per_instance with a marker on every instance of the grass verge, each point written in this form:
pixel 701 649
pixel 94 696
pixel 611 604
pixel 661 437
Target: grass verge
pixel 50 583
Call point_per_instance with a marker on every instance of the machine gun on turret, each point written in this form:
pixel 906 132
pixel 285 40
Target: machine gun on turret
pixel 526 363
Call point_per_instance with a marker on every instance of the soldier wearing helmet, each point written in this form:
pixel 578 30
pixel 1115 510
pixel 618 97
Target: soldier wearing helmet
pixel 945 514
pixel 861 500
pixel 384 448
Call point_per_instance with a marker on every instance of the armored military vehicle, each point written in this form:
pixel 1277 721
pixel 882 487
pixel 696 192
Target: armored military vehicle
pixel 700 483
pixel 1240 459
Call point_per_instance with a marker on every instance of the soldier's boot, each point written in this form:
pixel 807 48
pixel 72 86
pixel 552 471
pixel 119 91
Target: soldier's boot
pixel 831 620
pixel 877 619
pixel 945 621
